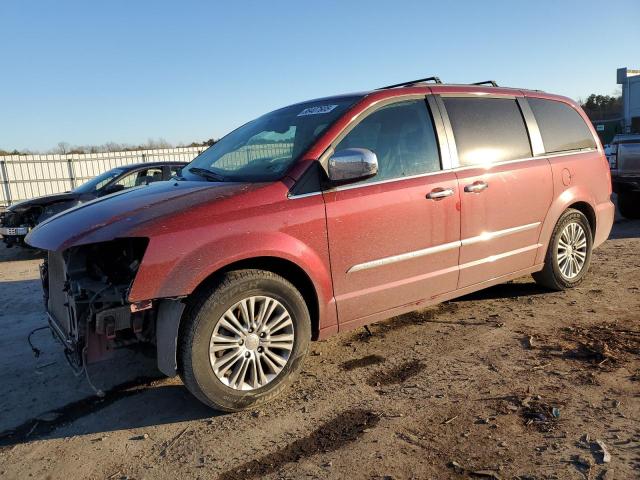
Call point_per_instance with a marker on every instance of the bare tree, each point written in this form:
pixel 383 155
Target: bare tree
pixel 112 147
pixel 63 148
pixel 159 143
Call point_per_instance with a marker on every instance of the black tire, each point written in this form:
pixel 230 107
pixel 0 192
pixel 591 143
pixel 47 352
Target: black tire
pixel 629 205
pixel 551 276
pixel 203 314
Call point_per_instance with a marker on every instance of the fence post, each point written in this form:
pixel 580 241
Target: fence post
pixel 5 181
pixel 72 176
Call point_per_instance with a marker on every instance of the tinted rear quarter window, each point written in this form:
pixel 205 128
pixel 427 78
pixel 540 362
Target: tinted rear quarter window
pixel 561 127
pixel 487 130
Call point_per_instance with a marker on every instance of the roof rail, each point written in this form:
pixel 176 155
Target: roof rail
pixel 486 82
pixel 412 82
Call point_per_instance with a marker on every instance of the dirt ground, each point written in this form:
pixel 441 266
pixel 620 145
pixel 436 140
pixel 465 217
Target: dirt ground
pixel 514 382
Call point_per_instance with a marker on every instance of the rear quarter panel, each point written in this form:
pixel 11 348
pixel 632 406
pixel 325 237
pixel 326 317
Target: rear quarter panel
pixel 579 177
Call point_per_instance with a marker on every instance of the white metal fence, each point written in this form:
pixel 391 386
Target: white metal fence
pixel 27 176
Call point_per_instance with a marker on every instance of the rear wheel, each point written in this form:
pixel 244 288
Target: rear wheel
pixel 629 205
pixel 243 339
pixel 569 252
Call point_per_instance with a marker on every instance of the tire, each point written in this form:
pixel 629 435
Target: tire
pixel 629 205
pixel 557 274
pixel 222 384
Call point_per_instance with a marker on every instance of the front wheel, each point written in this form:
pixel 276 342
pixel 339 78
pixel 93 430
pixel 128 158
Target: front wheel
pixel 243 339
pixel 569 252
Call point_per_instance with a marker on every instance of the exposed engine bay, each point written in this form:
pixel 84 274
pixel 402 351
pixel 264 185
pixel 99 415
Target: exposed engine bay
pixel 14 225
pixel 17 221
pixel 85 292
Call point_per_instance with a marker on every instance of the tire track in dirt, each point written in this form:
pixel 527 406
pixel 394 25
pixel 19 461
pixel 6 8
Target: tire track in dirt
pixel 396 375
pixel 363 362
pixel 343 429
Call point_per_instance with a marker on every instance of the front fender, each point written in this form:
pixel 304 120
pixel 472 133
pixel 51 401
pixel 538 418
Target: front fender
pixel 192 270
pixel 189 270
pixel 184 252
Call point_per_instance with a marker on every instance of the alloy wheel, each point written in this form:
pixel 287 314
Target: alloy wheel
pixel 251 343
pixel 572 250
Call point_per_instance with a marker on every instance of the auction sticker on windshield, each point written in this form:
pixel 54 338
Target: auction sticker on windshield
pixel 317 110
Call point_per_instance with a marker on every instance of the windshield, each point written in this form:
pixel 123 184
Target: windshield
pixel 99 181
pixel 263 149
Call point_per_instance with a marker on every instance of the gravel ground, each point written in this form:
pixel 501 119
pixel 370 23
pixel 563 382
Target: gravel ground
pixel 511 382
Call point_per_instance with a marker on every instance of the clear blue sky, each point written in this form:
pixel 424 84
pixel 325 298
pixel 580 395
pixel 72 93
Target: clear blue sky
pixel 89 72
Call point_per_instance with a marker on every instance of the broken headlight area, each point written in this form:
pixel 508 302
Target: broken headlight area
pixel 86 290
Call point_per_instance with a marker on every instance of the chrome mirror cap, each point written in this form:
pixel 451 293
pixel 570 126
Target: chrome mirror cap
pixel 352 164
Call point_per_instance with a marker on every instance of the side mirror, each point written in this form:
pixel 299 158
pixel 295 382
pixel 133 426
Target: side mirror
pixel 352 164
pixel 112 189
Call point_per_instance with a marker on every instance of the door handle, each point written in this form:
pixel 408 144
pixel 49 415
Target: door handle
pixel 438 193
pixel 476 187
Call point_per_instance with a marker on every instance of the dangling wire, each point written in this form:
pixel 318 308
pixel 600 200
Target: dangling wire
pixel 99 393
pixel 36 351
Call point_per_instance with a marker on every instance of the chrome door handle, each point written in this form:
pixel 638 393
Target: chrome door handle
pixel 476 187
pixel 438 193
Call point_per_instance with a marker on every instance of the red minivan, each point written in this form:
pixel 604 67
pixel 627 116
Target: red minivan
pixel 324 216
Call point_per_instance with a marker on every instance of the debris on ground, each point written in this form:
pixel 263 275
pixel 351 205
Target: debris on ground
pixel 449 420
pixel 485 474
pixel 585 441
pixel 606 456
pixel 540 414
pixel 456 467
pixel 529 342
pixel 600 344
pixel 174 440
pixel 482 473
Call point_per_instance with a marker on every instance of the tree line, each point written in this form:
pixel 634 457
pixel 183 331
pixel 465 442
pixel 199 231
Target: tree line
pixel 602 107
pixel 151 144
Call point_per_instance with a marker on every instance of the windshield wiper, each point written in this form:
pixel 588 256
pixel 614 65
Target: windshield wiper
pixel 208 174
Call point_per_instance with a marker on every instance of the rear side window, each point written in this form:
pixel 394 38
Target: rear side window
pixel 561 127
pixel 487 130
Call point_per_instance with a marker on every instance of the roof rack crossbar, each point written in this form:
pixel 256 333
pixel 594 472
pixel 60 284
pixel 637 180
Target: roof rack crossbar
pixel 412 82
pixel 486 82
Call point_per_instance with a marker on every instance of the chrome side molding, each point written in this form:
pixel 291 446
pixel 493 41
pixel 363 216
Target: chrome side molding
pixel 498 233
pixel 403 256
pixel 379 262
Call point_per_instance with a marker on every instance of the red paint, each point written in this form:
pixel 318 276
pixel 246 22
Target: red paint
pixel 518 194
pixel 379 221
pixel 198 228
